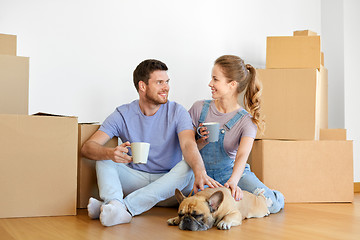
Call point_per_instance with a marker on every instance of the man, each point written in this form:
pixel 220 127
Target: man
pixel 164 124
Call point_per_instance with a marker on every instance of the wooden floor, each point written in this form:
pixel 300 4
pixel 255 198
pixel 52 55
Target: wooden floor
pixel 296 221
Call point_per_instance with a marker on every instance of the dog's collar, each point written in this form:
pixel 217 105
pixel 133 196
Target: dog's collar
pixel 191 193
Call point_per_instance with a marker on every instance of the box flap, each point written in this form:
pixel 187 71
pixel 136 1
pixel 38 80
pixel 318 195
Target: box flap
pixel 304 33
pixel 50 115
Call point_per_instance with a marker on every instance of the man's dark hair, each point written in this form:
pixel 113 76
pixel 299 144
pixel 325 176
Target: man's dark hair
pixel 144 69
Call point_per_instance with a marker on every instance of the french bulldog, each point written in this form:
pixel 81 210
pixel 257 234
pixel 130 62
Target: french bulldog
pixel 216 207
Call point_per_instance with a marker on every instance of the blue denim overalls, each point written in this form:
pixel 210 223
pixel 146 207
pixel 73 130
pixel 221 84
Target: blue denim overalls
pixel 219 165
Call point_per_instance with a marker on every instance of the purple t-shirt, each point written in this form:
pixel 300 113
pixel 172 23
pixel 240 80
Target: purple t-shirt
pixel 242 128
pixel 160 130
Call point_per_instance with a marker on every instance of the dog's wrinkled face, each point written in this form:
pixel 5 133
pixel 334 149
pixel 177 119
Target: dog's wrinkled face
pixel 196 213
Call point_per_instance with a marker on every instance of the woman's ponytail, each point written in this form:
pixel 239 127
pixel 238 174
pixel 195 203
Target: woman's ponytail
pixel 252 97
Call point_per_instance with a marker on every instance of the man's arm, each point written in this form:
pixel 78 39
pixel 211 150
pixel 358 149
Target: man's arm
pixel 193 158
pixel 94 149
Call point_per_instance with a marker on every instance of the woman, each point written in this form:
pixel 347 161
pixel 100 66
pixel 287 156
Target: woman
pixel 226 159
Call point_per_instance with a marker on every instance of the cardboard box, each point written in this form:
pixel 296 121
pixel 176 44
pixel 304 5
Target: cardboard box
pixel 293 52
pixel 333 134
pixel 14 84
pixel 294 103
pixel 87 181
pixel 309 33
pixel 306 171
pixel 304 33
pixel 38 165
pixel 324 95
pixel 7 44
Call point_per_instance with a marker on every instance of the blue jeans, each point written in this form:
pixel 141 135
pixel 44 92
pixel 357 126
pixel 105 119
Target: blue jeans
pixel 249 182
pixel 142 190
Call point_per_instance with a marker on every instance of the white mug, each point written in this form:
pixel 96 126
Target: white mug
pixel 213 129
pixel 140 152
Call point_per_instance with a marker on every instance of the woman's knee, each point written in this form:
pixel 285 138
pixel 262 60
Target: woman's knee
pixel 275 208
pixel 278 202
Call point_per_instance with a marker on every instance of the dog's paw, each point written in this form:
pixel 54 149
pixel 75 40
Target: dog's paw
pixel 173 221
pixel 267 213
pixel 222 225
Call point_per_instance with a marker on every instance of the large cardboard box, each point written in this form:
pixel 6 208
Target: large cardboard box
pixel 293 52
pixel 14 84
pixel 87 181
pixel 7 44
pixel 294 103
pixel 38 165
pixel 306 171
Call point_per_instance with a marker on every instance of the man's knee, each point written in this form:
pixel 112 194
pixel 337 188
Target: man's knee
pixel 181 168
pixel 101 164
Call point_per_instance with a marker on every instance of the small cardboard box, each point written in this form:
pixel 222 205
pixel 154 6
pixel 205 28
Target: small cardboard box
pixel 304 33
pixel 87 181
pixel 294 103
pixel 306 171
pixel 333 134
pixel 14 84
pixel 38 165
pixel 7 44
pixel 293 52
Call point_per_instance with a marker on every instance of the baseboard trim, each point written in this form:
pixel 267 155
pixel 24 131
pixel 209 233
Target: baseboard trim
pixel 357 187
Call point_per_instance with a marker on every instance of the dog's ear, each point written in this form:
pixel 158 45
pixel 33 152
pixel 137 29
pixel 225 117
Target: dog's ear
pixel 215 200
pixel 179 196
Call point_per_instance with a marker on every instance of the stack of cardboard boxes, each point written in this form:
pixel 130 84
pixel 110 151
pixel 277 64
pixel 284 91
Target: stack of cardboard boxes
pixel 297 154
pixel 42 171
pixel 14 78
pixel 38 154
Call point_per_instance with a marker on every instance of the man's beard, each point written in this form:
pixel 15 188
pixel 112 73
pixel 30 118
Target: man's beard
pixel 155 99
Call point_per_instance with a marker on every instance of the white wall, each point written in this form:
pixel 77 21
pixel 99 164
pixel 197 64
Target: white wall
pixel 82 53
pixel 332 35
pixel 340 43
pixel 352 79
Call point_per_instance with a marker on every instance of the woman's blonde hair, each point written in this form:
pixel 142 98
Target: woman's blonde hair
pixel 234 69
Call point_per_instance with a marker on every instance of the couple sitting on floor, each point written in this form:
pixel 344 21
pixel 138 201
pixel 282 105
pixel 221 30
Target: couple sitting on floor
pixel 179 157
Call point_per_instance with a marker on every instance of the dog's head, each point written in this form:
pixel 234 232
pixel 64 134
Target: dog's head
pixel 196 213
